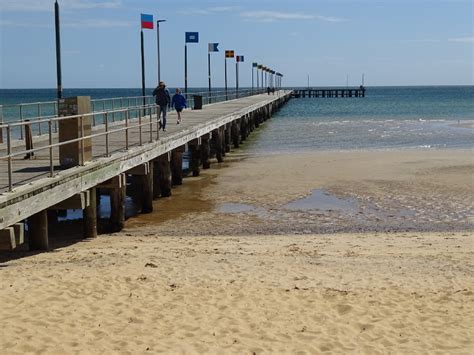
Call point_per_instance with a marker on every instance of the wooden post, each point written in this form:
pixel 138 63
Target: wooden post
pixel 217 144
pixel 38 231
pixel 156 180
pixel 222 132
pixel 177 165
pixel 243 128
pixel 165 175
pixel 194 161
pixel 147 190
pixel 117 208
pixel 205 152
pixel 90 216
pixel 228 137
pixel 235 133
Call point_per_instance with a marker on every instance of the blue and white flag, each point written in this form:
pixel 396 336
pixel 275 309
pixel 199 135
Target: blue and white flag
pixel 192 37
pixel 213 47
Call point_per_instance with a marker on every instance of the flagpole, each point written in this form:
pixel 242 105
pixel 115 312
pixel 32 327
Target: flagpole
pixel 225 67
pixel 185 70
pixel 237 79
pixel 58 51
pixel 258 84
pixel 158 47
pixel 209 72
pixel 143 66
pixel 262 77
pixel 252 78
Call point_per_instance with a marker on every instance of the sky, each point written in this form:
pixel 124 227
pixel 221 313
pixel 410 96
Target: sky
pixel 391 42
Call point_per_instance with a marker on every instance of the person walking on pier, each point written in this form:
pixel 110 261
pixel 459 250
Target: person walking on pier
pixel 268 90
pixel 162 99
pixel 178 102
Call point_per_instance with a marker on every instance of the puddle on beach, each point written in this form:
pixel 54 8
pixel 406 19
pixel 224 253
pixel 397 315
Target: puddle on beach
pixel 231 207
pixel 323 201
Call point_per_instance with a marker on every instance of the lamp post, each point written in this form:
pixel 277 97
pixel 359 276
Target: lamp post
pixel 158 46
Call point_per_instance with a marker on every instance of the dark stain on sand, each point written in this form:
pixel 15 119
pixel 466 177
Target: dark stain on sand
pixel 185 199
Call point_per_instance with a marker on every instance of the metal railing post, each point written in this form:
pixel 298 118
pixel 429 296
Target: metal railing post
pixel 50 134
pixel 127 116
pixel 10 164
pixel 140 125
pixel 157 113
pixel 82 140
pixel 39 117
pixel 56 114
pixel 113 113
pixel 21 120
pixel 151 124
pixel 106 122
pixel 1 122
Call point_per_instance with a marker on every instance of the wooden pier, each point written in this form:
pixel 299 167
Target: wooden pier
pixel 328 92
pixel 39 180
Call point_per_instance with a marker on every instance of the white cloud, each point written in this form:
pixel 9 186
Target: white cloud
pixel 426 40
pixel 224 8
pixel 48 5
pixel 270 16
pixel 97 24
pixel 209 11
pixel 462 40
pixel 23 24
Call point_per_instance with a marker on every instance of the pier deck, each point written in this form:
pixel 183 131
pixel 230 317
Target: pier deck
pixel 125 147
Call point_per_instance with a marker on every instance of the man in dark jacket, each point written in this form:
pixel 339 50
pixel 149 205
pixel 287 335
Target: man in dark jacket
pixel 162 99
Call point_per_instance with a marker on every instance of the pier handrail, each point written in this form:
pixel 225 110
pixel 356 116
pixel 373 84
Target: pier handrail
pixel 149 111
pixel 104 104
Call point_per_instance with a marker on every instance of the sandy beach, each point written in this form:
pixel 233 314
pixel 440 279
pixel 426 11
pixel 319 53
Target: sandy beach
pixel 328 252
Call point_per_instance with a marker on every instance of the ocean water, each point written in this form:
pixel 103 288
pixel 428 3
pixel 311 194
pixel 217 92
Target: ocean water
pixel 387 118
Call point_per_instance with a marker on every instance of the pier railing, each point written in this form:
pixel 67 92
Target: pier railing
pixel 139 126
pixel 35 112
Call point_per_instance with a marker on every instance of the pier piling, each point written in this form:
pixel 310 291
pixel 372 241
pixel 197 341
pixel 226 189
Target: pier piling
pixel 38 231
pixel 177 165
pixel 165 174
pixel 205 152
pixel 90 215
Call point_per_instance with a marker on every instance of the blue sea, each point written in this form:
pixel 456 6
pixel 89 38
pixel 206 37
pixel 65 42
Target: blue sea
pixel 387 118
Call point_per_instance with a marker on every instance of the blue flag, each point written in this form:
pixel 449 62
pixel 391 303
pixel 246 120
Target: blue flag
pixel 192 37
pixel 213 47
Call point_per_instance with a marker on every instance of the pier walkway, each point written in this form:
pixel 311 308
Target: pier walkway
pixel 33 180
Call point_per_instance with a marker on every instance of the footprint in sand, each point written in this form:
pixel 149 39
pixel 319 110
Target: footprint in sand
pixel 343 309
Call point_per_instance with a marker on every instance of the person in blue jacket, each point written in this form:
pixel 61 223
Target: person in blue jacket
pixel 178 102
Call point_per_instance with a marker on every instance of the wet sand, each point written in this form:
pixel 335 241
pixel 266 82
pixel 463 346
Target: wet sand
pixel 244 260
pixel 323 192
